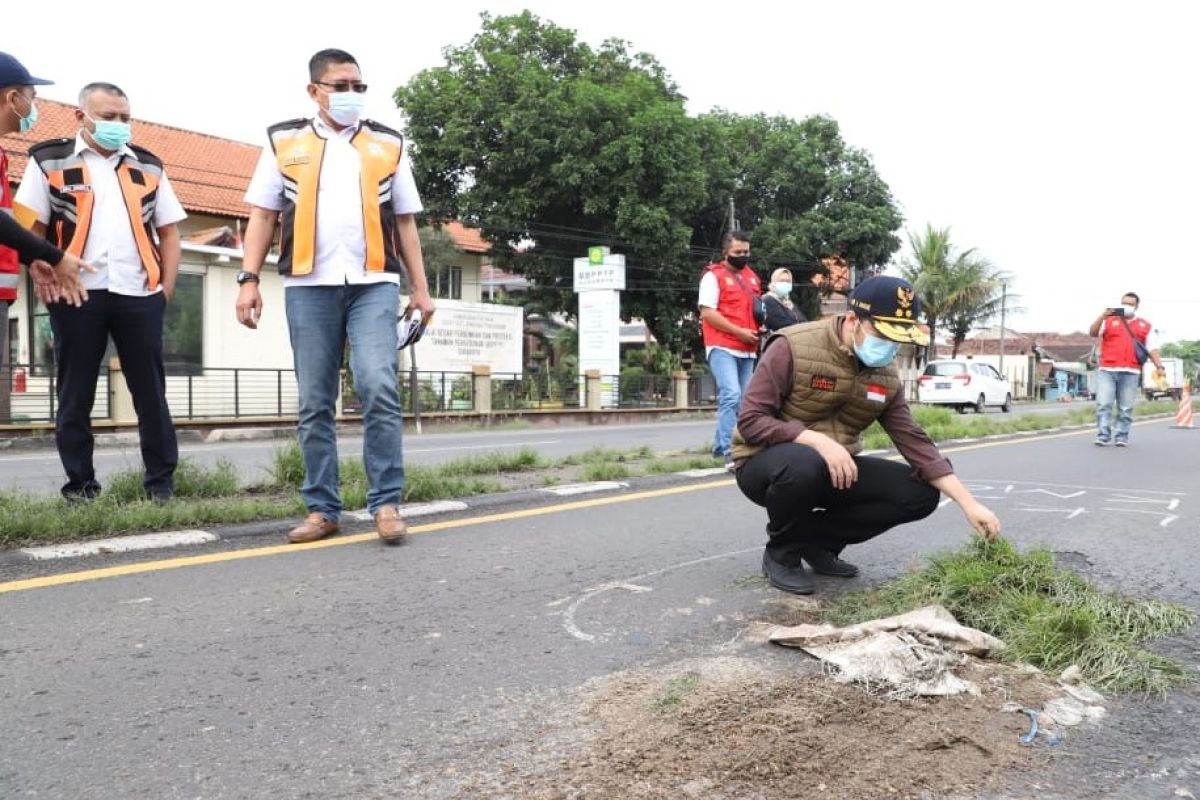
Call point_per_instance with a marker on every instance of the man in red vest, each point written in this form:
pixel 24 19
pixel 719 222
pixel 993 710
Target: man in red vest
pixel 729 293
pixel 18 114
pixel 1126 341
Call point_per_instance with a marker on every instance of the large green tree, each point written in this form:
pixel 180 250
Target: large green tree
pixel 550 145
pixel 539 138
pixel 960 289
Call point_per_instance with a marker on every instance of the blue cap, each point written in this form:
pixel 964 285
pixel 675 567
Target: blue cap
pixel 13 73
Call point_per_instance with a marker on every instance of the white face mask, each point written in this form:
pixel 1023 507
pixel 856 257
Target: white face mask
pixel 345 108
pixel 1130 311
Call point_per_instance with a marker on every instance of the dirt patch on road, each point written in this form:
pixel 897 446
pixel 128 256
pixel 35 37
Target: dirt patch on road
pixel 735 727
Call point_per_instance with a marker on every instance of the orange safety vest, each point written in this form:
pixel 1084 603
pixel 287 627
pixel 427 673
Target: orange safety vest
pixel 72 201
pixel 299 151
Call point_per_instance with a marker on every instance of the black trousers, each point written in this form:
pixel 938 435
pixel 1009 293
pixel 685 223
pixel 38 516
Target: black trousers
pixel 805 510
pixel 80 338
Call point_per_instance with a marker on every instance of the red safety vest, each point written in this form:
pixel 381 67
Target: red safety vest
pixel 10 268
pixel 735 305
pixel 1116 345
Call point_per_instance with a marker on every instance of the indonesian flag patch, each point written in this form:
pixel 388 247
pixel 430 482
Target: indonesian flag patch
pixel 876 393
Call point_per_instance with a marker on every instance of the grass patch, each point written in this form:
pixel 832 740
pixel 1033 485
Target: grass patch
pixel 423 484
pixel 663 466
pixel 605 471
pixel 492 463
pixel 1046 616
pixel 605 455
pixel 943 424
pixel 675 691
pixel 192 480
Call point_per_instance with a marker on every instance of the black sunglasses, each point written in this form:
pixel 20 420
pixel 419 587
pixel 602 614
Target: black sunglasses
pixel 344 86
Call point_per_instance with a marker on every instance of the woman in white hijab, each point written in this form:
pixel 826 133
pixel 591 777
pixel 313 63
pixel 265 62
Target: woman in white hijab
pixel 781 311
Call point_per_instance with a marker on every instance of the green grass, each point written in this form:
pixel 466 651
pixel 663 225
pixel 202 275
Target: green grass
pixel 191 481
pixel 943 424
pixel 605 471
pixel 675 691
pixel 1046 616
pixel 605 455
pixel 664 466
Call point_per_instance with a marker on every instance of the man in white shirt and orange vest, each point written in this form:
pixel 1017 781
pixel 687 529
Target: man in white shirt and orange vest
pixel 1121 333
pixel 107 201
pixel 342 190
pixel 729 290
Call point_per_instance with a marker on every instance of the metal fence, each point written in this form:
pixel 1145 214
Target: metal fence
pixel 537 391
pixel 29 395
pixel 235 393
pixel 436 391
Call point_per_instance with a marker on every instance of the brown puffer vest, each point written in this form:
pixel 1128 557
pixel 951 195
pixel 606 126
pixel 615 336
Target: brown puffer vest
pixel 832 393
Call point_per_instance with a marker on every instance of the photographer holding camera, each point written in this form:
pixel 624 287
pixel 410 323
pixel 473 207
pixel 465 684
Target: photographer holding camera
pixel 1125 344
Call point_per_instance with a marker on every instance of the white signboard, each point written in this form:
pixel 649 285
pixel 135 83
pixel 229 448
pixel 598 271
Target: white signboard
pixel 599 338
pixel 600 269
pixel 464 334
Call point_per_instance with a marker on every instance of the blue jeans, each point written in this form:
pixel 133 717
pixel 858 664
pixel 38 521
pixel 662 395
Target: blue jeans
pixel 1123 388
pixel 320 320
pixel 731 375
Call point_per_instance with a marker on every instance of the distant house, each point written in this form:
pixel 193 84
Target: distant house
pixel 210 175
pixel 1030 359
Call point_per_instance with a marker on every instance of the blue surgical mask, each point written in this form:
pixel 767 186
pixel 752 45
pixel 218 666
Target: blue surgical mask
pixel 345 108
pixel 29 120
pixel 111 134
pixel 876 351
pixel 783 289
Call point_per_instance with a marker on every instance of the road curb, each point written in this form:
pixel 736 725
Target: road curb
pixel 359 520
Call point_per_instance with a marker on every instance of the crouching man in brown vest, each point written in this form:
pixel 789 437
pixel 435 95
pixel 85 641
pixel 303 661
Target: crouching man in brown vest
pixel 818 386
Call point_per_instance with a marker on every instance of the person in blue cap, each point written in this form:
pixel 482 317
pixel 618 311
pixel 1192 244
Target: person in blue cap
pixel 798 440
pixel 55 273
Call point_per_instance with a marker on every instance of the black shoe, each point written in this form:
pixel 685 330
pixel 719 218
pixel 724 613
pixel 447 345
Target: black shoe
pixel 787 579
pixel 81 493
pixel 826 563
pixel 160 497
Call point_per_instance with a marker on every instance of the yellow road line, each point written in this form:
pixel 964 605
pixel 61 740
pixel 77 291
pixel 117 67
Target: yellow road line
pixel 257 552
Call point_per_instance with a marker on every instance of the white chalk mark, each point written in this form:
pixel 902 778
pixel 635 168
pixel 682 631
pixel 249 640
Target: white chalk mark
pixel 630 585
pixel 1052 494
pixel 1071 513
pixel 1167 518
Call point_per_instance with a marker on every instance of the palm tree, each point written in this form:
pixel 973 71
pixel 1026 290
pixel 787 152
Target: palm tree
pixel 961 289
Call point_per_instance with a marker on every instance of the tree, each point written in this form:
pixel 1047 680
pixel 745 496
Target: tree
pixel 962 289
pixel 802 192
pixel 549 145
pixel 1189 351
pixel 536 137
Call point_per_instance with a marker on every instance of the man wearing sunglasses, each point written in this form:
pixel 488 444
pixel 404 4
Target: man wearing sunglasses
pixel 342 192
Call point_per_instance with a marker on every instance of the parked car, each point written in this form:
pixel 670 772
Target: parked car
pixel 964 384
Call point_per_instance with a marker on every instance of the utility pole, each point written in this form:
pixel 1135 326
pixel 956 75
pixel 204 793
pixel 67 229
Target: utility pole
pixel 733 224
pixel 1003 306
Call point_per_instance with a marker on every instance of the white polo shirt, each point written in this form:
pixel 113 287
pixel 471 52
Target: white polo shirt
pixel 341 249
pixel 110 246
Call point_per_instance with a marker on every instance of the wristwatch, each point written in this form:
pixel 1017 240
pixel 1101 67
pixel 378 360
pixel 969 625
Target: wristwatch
pixel 245 276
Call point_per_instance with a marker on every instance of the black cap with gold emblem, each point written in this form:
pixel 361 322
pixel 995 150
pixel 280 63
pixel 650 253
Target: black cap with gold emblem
pixel 892 306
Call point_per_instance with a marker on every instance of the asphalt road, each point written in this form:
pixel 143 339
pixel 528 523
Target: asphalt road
pixel 354 670
pixel 40 470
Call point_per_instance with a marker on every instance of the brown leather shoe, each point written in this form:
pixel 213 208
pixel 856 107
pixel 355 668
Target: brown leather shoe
pixel 314 527
pixel 390 525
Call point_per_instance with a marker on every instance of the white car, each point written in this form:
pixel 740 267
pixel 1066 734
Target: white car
pixel 963 383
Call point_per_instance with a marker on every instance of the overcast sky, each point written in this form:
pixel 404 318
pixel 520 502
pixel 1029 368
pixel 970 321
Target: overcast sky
pixel 1058 138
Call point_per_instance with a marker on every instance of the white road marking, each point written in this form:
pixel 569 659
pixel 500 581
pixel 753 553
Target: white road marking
pixel 1071 513
pixel 568 489
pixel 984 485
pixel 1167 518
pixel 417 510
pixel 121 544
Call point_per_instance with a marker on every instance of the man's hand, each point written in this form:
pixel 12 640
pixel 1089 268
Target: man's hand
pixel 61 281
pixel 249 305
pixel 843 470
pixel 981 518
pixel 746 335
pixel 421 301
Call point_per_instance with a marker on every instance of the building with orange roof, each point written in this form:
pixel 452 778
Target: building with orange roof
pixel 209 175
